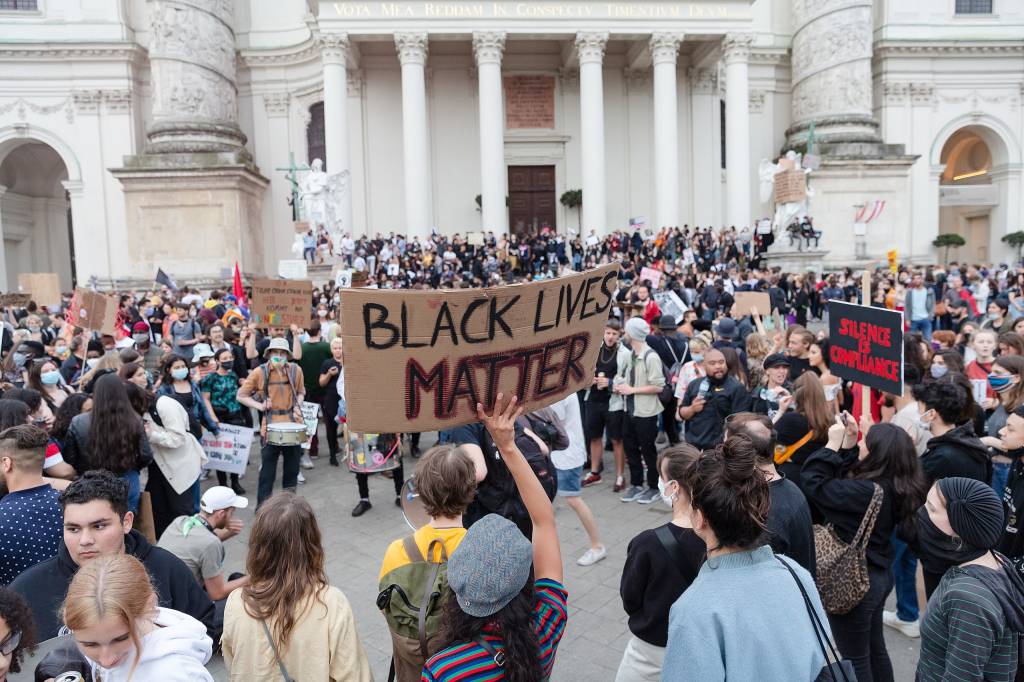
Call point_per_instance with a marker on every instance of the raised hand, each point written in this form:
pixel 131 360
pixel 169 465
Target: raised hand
pixel 501 422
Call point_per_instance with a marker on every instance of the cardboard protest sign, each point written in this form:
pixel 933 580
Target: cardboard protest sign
pixel 94 311
pixel 310 417
pixel 13 300
pixel 343 279
pixel 292 269
pixel 281 302
pixel 43 287
pixel 790 186
pixel 654 276
pixel 422 360
pixel 670 304
pixel 301 227
pixel 475 238
pixel 228 451
pixel 745 300
pixel 866 345
pixel 592 240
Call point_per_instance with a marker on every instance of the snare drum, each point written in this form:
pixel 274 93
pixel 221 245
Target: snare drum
pixel 286 434
pixel 369 454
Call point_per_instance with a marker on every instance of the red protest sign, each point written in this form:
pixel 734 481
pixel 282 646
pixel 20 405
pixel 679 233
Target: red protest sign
pixel 866 345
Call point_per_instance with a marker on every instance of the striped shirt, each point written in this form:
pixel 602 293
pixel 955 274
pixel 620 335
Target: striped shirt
pixel 470 662
pixel 964 634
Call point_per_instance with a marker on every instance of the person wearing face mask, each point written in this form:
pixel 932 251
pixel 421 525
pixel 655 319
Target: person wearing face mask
pixel 975 615
pixel 845 480
pixel 694 367
pixel 149 351
pixel 43 376
pixel 765 399
pixel 219 340
pixel 276 390
pixel 661 563
pixel 944 362
pixel 952 450
pixel 220 390
pixel 1005 380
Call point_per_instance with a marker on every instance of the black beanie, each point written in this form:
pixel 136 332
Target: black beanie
pixel 975 511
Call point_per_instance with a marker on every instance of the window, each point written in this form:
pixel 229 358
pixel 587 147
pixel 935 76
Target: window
pixel 974 6
pixel 316 145
pixel 721 126
pixel 19 5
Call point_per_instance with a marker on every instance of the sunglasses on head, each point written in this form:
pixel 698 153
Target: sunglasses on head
pixel 10 643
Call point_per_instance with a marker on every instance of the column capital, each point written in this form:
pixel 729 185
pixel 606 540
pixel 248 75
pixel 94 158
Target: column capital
pixel 412 47
pixel 664 46
pixel 277 103
pixel 590 46
pixel 488 46
pixel 334 47
pixel 702 81
pixel 736 47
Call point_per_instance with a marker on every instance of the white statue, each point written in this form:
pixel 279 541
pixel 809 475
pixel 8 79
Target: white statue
pixel 321 195
pixel 785 213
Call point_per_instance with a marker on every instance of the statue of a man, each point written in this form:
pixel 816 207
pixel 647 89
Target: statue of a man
pixel 313 191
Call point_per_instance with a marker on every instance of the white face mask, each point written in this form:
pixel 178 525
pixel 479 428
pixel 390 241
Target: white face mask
pixel 668 499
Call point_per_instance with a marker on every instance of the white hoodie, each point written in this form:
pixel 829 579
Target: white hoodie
pixel 176 651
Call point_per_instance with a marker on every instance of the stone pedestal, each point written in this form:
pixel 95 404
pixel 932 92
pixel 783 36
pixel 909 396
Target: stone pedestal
pixel 209 196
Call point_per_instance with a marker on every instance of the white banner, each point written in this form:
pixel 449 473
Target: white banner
pixel 310 415
pixel 292 269
pixel 228 450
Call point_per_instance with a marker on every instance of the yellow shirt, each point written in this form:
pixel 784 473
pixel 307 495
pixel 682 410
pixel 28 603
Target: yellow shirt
pixel 396 556
pixel 323 646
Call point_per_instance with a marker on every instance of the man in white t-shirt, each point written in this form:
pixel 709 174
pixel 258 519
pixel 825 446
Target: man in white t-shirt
pixel 569 467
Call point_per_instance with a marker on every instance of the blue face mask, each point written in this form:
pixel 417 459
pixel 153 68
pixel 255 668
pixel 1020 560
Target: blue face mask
pixel 50 378
pixel 998 382
pixel 179 374
pixel 939 371
pixel 697 357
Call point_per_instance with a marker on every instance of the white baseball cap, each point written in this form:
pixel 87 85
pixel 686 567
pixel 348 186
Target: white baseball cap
pixel 221 497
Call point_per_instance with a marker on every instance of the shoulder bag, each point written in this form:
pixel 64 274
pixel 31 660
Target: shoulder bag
pixel 842 569
pixel 835 669
pixel 783 453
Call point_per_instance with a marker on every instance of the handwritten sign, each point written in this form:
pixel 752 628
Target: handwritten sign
pixel 790 186
pixel 228 451
pixel 310 417
pixel 475 238
pixel 747 300
pixel 292 269
pixel 44 287
pixel 93 311
pixel 651 275
pixel 439 353
pixel 281 302
pixel 866 345
pixel 301 227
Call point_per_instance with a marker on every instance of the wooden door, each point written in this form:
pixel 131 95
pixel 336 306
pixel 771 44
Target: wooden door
pixel 531 204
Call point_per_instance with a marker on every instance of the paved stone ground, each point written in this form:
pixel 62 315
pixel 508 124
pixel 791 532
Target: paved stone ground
pixel 596 634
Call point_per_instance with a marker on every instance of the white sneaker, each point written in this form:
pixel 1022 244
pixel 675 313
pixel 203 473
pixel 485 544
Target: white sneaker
pixel 909 628
pixel 302 479
pixel 305 462
pixel 592 556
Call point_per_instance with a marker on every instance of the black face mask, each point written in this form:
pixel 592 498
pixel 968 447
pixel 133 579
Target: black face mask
pixel 939 551
pixel 227 365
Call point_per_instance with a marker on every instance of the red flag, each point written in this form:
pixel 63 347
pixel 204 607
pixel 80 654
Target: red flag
pixel 237 289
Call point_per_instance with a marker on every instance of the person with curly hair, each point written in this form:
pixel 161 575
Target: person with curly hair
pixel 17 632
pixel 954 449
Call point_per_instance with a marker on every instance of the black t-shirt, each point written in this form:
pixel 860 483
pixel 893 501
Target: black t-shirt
pixel 608 366
pixel 331 390
pixel 797 366
pixel 790 529
pixel 705 429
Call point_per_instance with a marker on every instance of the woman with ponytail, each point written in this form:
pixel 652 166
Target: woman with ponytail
pixel 111 610
pixel 840 480
pixel 726 624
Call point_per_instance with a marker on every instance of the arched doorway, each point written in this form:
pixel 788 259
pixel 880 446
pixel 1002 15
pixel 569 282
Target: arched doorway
pixel 974 183
pixel 35 215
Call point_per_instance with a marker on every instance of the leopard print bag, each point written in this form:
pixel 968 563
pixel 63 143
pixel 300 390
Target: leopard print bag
pixel 842 569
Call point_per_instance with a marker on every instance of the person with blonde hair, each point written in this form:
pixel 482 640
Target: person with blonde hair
pixel 111 610
pixel 758 347
pixel 803 430
pixel 289 622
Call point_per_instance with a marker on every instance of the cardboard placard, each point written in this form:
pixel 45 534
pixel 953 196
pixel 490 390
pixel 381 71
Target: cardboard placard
pixel 592 240
pixel 94 311
pixel 281 302
pixel 654 276
pixel 866 345
pixel 228 451
pixel 475 238
pixel 44 287
pixel 745 300
pixel 301 227
pixel 421 360
pixel 310 417
pixel 343 279
pixel 292 269
pixel 13 300
pixel 790 186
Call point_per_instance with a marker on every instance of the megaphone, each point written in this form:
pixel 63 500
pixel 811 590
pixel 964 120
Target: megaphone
pixel 412 506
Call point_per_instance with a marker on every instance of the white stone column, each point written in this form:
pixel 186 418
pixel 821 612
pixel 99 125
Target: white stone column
pixel 488 47
pixel 705 172
pixel 590 47
pixel 412 53
pixel 334 52
pixel 3 245
pixel 664 47
pixel 736 48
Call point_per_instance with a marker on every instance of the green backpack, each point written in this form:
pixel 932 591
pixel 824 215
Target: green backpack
pixel 412 598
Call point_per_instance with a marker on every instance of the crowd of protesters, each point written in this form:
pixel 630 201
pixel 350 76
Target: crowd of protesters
pixel 769 461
